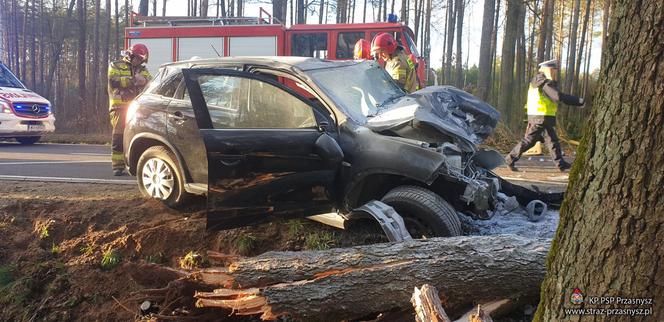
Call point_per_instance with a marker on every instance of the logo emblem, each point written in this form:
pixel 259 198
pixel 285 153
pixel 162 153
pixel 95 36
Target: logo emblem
pixel 36 109
pixel 577 297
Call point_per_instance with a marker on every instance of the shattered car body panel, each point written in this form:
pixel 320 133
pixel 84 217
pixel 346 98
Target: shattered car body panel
pixel 369 138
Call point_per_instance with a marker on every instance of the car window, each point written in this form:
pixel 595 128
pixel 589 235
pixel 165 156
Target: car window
pixel 346 43
pixel 310 45
pixel 170 86
pixel 7 79
pixel 236 102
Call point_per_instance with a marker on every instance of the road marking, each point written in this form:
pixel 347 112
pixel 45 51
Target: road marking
pixel 53 162
pixel 96 154
pixel 70 180
pixel 555 183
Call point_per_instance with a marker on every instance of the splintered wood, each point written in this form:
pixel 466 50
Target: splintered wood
pixel 427 305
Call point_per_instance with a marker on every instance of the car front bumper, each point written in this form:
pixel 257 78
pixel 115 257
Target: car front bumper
pixel 14 126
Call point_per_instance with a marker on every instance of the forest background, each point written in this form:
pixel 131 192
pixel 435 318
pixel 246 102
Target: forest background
pixel 61 48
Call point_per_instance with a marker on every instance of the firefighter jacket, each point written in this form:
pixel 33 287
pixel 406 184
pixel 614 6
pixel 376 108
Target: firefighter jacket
pixel 121 87
pixel 402 70
pixel 543 97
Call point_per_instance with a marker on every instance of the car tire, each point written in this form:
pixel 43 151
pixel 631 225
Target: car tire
pixel 27 140
pixel 425 213
pixel 158 175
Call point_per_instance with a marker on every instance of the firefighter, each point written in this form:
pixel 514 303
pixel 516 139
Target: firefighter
pixel 397 63
pixel 362 50
pixel 542 104
pixel 126 79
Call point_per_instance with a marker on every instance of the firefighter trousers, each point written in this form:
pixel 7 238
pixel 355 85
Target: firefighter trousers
pixel 543 130
pixel 117 116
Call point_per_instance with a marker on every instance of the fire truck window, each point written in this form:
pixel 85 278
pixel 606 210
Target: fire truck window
pixel 310 45
pixel 411 44
pixel 346 43
pixel 395 34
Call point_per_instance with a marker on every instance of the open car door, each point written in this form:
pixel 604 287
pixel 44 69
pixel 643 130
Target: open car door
pixel 268 158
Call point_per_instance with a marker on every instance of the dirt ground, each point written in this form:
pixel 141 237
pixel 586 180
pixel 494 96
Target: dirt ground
pixel 63 246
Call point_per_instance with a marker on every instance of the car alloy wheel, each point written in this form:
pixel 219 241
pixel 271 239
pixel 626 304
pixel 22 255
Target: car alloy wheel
pixel 157 179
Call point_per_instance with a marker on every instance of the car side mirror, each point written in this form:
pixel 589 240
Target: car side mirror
pixel 328 149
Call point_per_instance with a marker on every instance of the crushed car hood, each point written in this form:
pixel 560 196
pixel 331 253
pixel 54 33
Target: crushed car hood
pixel 446 108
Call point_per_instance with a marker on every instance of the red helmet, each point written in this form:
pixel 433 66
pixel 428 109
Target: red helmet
pixel 362 50
pixel 384 42
pixel 139 50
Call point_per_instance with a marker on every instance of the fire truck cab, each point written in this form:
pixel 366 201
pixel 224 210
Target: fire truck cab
pixel 172 39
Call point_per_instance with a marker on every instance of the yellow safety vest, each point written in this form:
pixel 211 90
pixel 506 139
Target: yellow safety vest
pixel 121 89
pixel 540 104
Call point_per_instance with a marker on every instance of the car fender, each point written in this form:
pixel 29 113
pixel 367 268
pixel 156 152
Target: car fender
pixel 133 159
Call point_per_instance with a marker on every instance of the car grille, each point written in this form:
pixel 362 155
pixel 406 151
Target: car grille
pixel 34 110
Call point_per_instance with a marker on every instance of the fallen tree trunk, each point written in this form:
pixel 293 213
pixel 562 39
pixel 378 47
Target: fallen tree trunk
pixel 353 282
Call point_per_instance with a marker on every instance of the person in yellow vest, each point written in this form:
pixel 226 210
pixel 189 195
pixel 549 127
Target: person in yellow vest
pixel 400 67
pixel 542 104
pixel 126 79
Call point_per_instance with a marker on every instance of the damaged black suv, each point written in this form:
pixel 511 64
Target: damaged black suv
pixel 281 137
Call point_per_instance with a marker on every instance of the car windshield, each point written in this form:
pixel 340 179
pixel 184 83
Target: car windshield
pixel 361 89
pixel 7 79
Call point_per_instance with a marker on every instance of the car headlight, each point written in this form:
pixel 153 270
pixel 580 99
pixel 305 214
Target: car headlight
pixel 131 111
pixel 5 108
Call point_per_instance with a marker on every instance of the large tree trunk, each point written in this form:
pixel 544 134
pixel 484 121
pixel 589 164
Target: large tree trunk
pixel 143 7
pixel 610 234
pixel 584 31
pixel 204 8
pixel 507 90
pixel 279 10
pixel 310 285
pixel 451 22
pixel 571 57
pixel 459 62
pixel 81 59
pixel 484 76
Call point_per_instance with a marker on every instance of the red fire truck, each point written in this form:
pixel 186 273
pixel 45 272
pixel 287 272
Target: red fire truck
pixel 180 38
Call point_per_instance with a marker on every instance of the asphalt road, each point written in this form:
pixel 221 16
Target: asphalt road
pixel 69 162
pixel 92 163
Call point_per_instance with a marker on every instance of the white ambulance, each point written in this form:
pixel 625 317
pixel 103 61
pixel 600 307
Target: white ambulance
pixel 24 115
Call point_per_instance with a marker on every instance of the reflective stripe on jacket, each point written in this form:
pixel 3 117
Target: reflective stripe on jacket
pixel 121 88
pixel 402 70
pixel 540 104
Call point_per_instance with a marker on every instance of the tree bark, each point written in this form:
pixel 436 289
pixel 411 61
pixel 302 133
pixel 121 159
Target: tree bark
pixel 81 59
pixel 584 31
pixel 451 23
pixel 506 97
pixel 321 11
pixel 494 49
pixel 609 237
pixel 309 285
pixel 204 8
pixel 484 76
pixel 571 58
pixel 459 29
pixel 95 56
pixel 279 10
pixel 544 42
pixel 143 7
